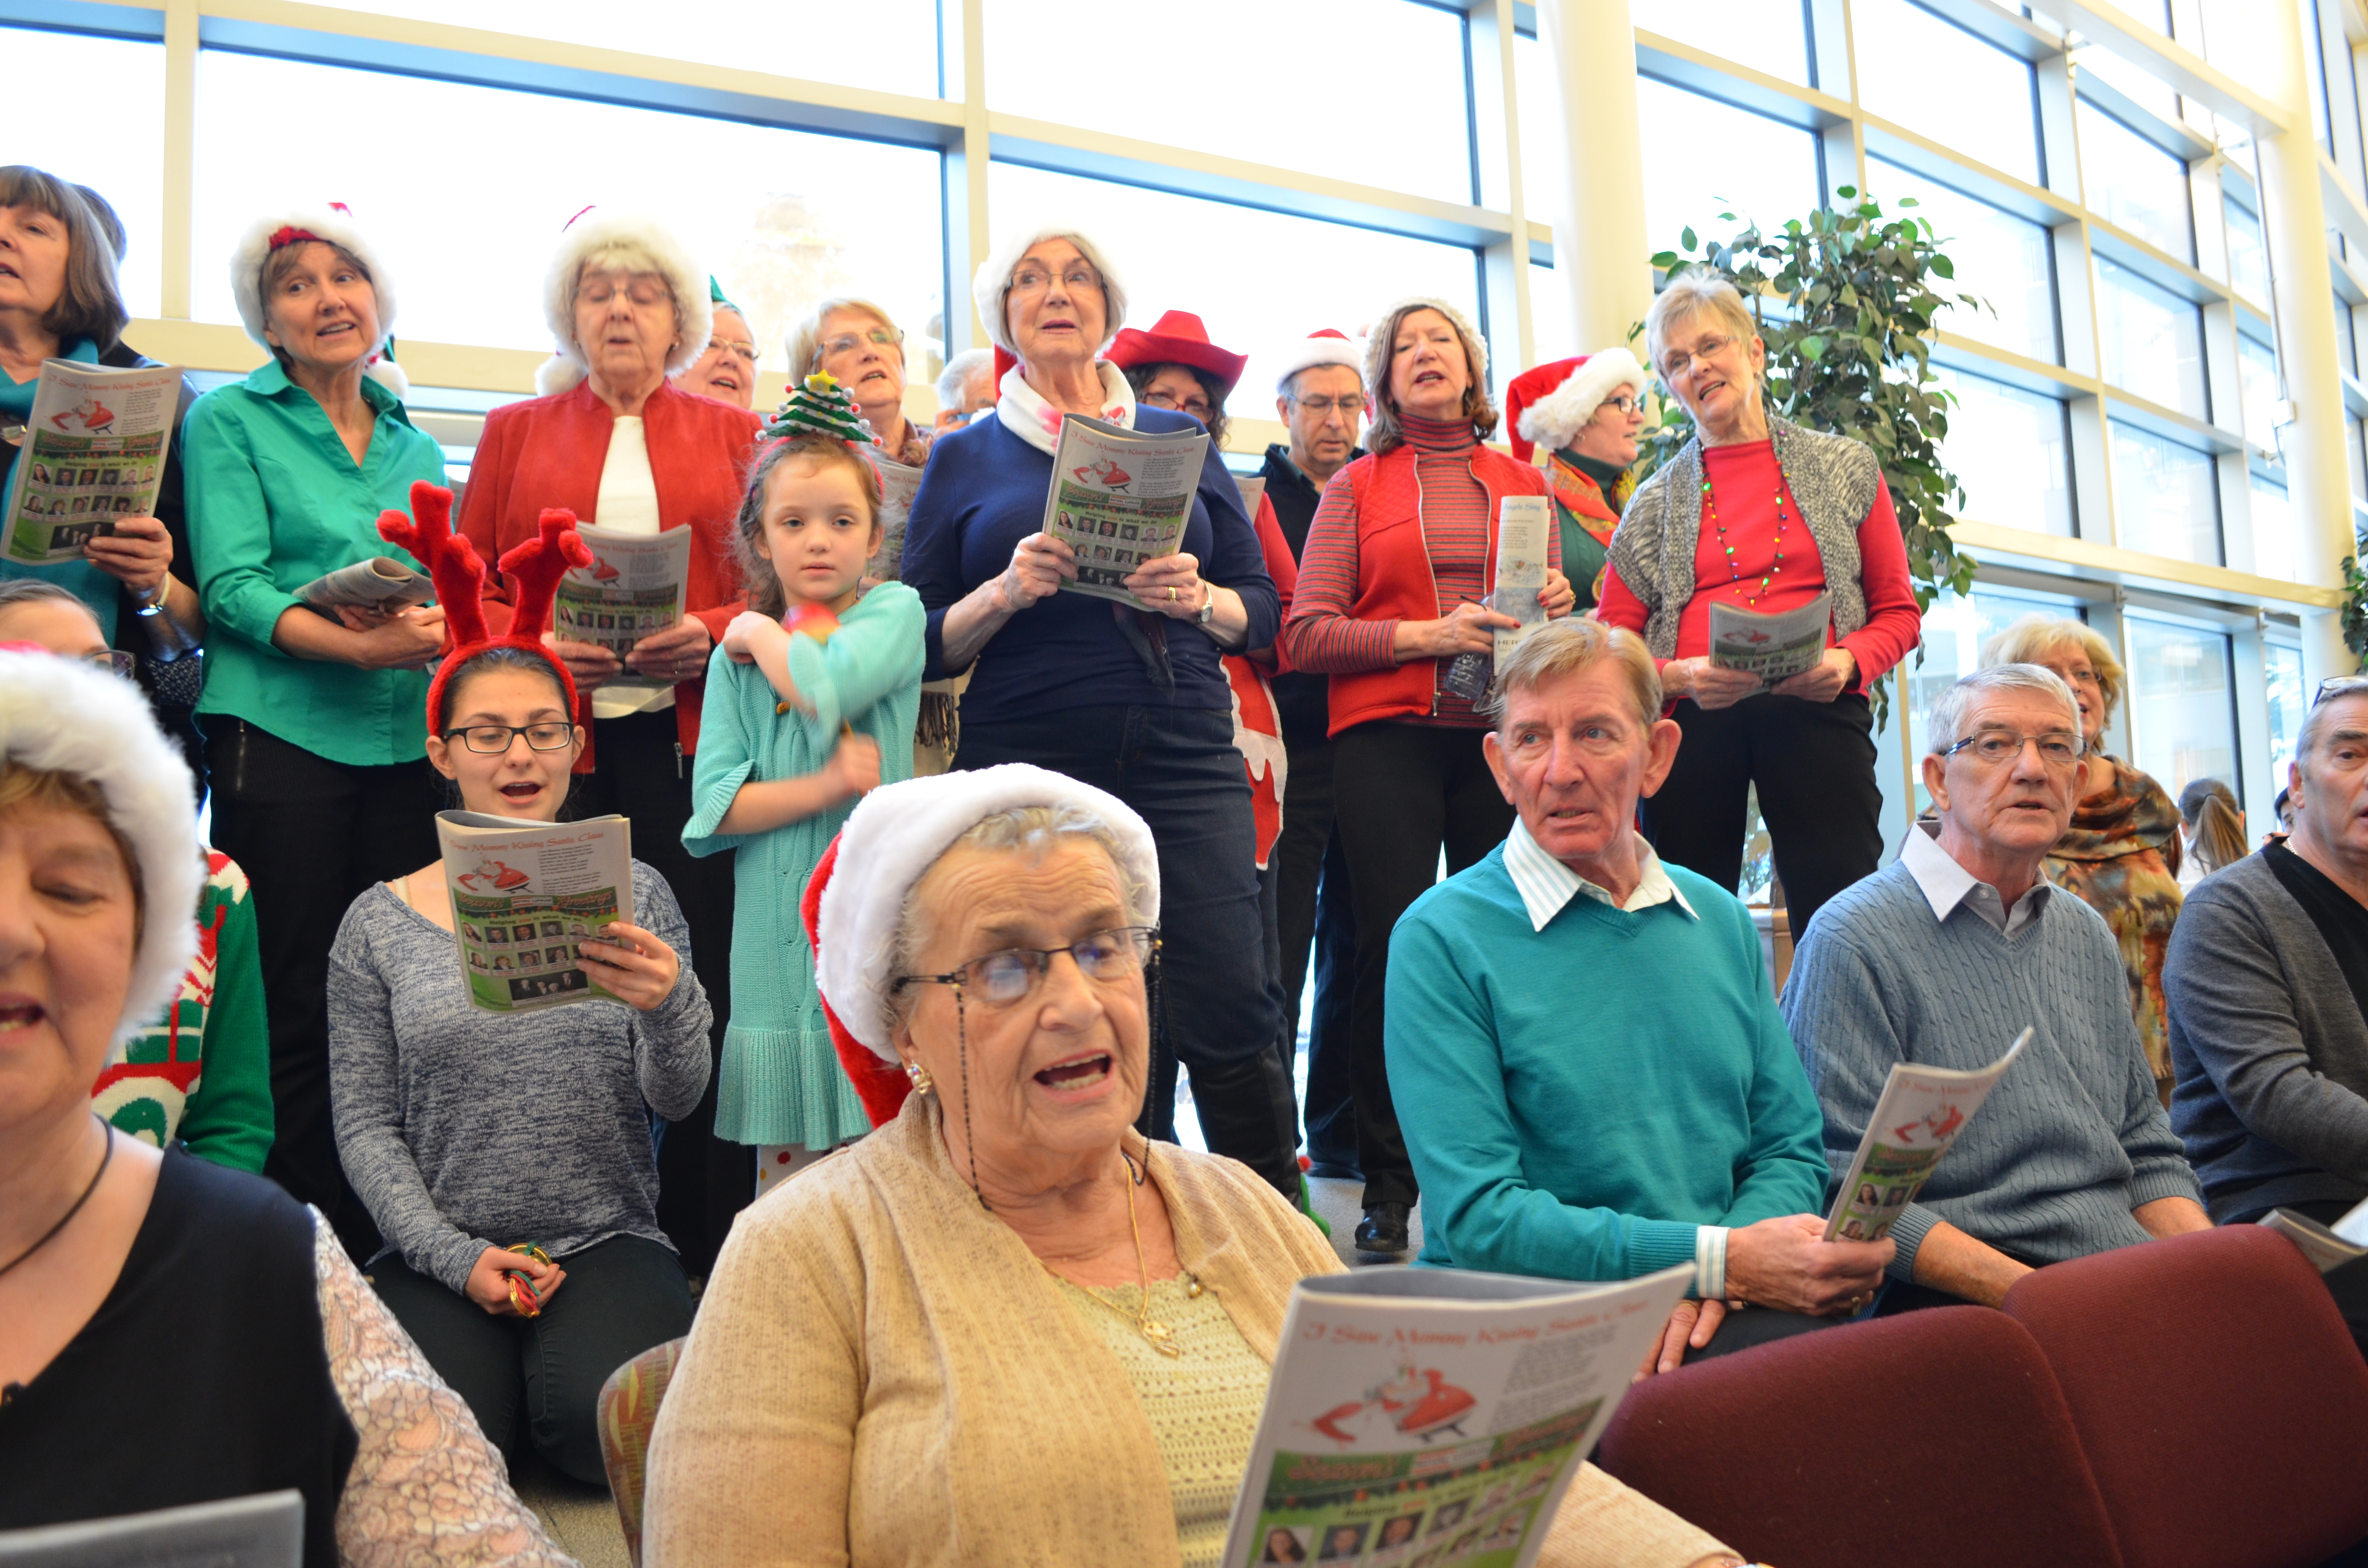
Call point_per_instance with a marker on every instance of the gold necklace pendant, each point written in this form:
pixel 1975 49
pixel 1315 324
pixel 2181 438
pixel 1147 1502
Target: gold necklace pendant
pixel 1162 1337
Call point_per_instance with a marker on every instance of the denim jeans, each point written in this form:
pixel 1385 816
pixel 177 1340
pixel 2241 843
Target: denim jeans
pixel 1220 1003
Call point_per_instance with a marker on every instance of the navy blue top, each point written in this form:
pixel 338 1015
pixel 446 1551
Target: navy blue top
pixel 982 493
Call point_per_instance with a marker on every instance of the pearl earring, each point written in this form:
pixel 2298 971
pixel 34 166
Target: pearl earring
pixel 922 1082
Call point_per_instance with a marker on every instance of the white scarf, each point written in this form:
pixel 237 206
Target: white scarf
pixel 1027 415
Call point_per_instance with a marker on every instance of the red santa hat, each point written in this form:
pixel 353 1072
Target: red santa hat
pixel 587 235
pixel 534 567
pixel 1177 338
pixel 333 224
pixel 1325 345
pixel 854 903
pixel 1547 405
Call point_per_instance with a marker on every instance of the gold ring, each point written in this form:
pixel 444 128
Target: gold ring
pixel 1171 596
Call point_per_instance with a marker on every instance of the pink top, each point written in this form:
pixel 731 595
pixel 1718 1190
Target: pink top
pixel 1745 480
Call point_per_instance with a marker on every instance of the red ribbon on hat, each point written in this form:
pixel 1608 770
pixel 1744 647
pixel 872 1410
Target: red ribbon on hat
pixel 881 1087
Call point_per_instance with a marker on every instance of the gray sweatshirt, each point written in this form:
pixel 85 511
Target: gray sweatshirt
pixel 2269 1047
pixel 463 1130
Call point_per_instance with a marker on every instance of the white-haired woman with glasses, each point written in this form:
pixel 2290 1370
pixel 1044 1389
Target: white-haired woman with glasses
pixel 1763 515
pixel 1131 698
pixel 1006 1258
pixel 620 445
pixel 862 348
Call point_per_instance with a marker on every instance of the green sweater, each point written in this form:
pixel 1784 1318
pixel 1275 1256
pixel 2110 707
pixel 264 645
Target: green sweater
pixel 275 500
pixel 1579 1100
pixel 202 1073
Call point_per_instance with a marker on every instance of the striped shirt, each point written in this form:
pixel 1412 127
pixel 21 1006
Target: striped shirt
pixel 1547 884
pixel 1323 638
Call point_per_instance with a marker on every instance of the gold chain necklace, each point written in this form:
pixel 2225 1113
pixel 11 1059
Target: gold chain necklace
pixel 1160 1337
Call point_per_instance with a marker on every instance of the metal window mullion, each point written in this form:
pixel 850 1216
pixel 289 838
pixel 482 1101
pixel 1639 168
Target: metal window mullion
pixel 174 244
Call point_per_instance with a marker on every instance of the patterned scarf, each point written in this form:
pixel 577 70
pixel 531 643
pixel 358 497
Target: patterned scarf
pixel 1026 415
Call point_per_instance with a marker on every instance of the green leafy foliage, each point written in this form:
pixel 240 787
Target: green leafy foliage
pixel 1845 298
pixel 2355 609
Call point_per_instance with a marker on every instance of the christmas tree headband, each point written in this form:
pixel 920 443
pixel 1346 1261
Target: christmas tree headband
pixel 533 567
pixel 819 408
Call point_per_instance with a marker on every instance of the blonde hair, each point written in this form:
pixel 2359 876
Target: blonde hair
pixel 2029 640
pixel 806 342
pixel 2217 828
pixel 1386 433
pixel 1566 647
pixel 1691 294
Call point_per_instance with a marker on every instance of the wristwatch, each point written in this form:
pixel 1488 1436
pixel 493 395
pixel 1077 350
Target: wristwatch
pixel 1208 604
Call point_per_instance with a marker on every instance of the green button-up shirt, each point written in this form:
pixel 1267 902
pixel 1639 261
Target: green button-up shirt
pixel 275 500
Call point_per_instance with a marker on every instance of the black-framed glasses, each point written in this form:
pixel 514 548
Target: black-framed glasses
pixel 1012 974
pixel 493 740
pixel 1620 402
pixel 2058 748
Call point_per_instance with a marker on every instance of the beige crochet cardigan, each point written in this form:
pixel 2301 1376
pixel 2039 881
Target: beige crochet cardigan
pixel 881 1374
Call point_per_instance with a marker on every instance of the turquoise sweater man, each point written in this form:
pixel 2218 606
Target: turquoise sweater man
pixel 1591 1092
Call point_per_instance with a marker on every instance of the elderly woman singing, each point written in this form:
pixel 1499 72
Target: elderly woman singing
pixel 1006 1258
pixel 1764 514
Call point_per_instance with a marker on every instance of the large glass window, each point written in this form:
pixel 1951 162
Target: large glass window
pixel 2140 86
pixel 91 110
pixel 1539 102
pixel 2182 716
pixel 2152 340
pixel 782 218
pixel 889 45
pixel 1549 326
pixel 1999 258
pixel 1955 627
pixel 1282 85
pixel 2249 254
pixel 1703 157
pixel 2289 706
pixel 1183 254
pixel 2008 448
pixel 1766 35
pixel 1980 104
pixel 2167 496
pixel 2135 184
pixel 2346 350
pixel 2274 545
pixel 2355 458
pixel 2256 366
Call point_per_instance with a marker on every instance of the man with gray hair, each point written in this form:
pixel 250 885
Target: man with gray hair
pixel 1941 959
pixel 964 386
pixel 1587 1058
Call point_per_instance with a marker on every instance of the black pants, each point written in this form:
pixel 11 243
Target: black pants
pixel 1312 907
pixel 620 1297
pixel 1403 791
pixel 2347 1282
pixel 1754 1327
pixel 640 772
pixel 312 836
pixel 1220 1011
pixel 1814 764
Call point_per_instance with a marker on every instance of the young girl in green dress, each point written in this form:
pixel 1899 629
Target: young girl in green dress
pixel 800 720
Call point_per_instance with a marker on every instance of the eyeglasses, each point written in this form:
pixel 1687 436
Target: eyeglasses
pixel 1678 362
pixel 643 290
pixel 1622 404
pixel 879 336
pixel 1197 406
pixel 2058 748
pixel 1322 407
pixel 493 740
pixel 738 350
pixel 2338 686
pixel 1003 979
pixel 1035 279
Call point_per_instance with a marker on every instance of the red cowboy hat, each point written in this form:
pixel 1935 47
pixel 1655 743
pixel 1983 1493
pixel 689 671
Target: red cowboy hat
pixel 1177 338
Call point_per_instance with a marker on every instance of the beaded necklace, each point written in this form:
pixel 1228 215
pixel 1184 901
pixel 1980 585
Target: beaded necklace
pixel 1776 568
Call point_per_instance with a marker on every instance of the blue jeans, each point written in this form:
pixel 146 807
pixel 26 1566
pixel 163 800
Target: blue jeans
pixel 1220 1003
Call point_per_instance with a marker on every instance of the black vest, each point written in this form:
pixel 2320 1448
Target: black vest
pixel 201 1376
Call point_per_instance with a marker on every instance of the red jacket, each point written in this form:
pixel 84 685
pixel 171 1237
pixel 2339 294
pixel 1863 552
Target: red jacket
pixel 549 451
pixel 1257 728
pixel 1393 580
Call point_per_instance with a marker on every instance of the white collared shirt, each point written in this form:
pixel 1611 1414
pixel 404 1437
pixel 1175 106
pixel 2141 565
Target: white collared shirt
pixel 1547 885
pixel 1946 884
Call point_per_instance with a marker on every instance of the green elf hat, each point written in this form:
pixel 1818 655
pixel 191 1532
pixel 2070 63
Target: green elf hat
pixel 819 408
pixel 715 297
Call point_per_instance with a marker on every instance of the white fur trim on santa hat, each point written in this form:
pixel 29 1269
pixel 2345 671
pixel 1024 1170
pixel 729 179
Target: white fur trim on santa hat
pixel 1377 351
pixel 598 228
pixel 1554 420
pixel 555 375
pixel 340 230
pixel 992 281
pixel 1325 347
pixel 892 837
pixel 60 716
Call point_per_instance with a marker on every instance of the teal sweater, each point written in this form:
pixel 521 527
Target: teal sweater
pixel 781 1081
pixel 1579 1100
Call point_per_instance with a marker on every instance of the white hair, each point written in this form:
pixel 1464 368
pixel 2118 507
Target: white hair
pixel 954 379
pixel 1947 719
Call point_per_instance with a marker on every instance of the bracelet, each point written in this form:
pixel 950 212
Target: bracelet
pixel 163 590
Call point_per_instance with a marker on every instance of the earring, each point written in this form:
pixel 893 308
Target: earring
pixel 922 1082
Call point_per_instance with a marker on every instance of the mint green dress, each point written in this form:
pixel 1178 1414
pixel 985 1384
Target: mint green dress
pixel 781 1082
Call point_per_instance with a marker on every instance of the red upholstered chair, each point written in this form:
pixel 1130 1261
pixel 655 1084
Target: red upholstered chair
pixel 2220 1402
pixel 1935 1438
